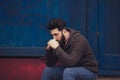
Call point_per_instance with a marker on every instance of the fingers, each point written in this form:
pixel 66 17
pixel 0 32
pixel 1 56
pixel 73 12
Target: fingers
pixel 49 43
pixel 48 47
pixel 53 43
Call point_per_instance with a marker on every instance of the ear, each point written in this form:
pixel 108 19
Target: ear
pixel 64 31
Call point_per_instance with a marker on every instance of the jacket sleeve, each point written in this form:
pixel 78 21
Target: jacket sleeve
pixel 50 58
pixel 76 53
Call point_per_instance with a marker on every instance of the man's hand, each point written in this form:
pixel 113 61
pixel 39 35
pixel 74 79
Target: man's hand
pixel 48 47
pixel 53 44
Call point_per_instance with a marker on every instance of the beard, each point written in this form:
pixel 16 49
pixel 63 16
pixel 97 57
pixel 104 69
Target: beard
pixel 62 41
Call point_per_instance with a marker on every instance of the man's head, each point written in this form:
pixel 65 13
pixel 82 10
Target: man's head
pixel 57 29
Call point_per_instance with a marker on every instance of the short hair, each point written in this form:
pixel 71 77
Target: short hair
pixel 56 23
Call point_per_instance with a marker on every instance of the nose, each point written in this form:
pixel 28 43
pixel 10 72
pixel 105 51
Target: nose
pixel 54 37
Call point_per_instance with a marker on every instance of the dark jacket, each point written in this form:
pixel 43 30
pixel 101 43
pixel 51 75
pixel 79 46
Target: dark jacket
pixel 76 53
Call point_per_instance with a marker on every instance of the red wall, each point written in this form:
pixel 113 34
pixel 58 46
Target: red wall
pixel 21 68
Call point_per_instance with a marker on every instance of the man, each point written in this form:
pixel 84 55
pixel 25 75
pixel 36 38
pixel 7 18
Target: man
pixel 68 55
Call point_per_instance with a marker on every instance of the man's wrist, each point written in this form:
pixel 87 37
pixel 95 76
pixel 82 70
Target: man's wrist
pixel 55 47
pixel 56 51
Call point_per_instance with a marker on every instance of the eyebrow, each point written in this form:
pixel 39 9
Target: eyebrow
pixel 55 34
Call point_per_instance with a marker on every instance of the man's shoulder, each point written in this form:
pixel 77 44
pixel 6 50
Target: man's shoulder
pixel 76 35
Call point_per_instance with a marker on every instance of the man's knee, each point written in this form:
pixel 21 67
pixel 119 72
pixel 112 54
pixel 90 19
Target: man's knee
pixel 47 70
pixel 69 74
pixel 76 72
pixel 68 71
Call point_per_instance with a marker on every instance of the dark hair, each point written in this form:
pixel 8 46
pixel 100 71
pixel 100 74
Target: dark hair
pixel 56 23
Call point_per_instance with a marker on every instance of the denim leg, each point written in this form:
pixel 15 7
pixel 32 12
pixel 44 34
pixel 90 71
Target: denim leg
pixel 78 73
pixel 53 73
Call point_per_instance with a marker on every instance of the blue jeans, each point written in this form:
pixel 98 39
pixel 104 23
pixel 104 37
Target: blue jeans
pixel 62 73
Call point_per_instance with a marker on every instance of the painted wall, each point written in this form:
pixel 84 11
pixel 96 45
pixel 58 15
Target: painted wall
pixel 23 32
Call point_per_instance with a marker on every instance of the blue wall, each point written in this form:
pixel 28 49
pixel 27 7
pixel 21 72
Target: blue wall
pixel 23 30
pixel 23 23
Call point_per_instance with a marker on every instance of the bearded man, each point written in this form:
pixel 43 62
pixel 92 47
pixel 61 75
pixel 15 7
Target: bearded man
pixel 68 55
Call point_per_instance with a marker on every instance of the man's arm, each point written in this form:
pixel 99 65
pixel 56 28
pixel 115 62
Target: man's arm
pixel 50 57
pixel 72 58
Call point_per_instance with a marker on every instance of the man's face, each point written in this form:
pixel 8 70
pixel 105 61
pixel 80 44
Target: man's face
pixel 57 35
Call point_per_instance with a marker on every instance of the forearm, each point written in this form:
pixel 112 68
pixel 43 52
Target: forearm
pixel 72 58
pixel 51 58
